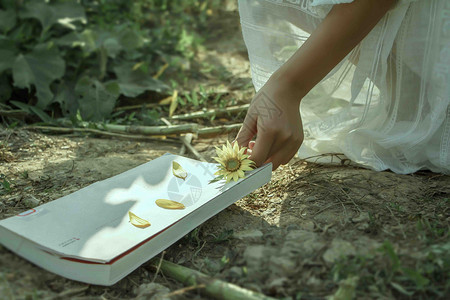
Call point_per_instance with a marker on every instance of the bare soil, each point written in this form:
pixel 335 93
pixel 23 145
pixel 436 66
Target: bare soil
pixel 313 231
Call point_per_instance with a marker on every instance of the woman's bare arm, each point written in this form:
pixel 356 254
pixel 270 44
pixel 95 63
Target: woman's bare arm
pixel 279 135
pixel 342 29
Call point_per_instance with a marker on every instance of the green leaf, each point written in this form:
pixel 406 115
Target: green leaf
pixel 415 276
pixel 130 39
pixel 7 19
pixel 34 110
pixel 135 82
pixel 401 289
pixel 389 250
pixel 65 96
pixel 39 68
pixel 96 40
pixel 96 101
pixel 41 114
pixel 112 46
pixel 64 13
pixel 24 107
pixel 72 39
pixel 7 53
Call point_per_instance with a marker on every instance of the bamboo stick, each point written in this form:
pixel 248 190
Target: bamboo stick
pixel 211 112
pixel 144 130
pixel 217 130
pixel 16 113
pixel 213 287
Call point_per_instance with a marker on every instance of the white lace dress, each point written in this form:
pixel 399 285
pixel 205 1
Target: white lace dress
pixel 389 111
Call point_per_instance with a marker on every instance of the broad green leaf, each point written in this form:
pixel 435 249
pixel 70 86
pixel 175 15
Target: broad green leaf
pixel 95 40
pixel 135 82
pixel 7 19
pixel 130 39
pixel 89 38
pixel 112 46
pixel 39 68
pixel 66 98
pixel 96 100
pixel 64 13
pixel 8 53
pixel 72 39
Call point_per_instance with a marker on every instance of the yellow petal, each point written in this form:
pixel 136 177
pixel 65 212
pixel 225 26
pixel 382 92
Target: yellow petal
pixel 219 151
pixel 235 176
pixel 241 152
pixel 240 173
pixel 169 204
pixel 138 222
pixel 178 171
pixel 236 148
pixel 246 168
pixel 229 177
pixel 219 160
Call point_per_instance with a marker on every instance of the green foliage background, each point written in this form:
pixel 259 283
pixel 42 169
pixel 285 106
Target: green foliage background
pixel 78 57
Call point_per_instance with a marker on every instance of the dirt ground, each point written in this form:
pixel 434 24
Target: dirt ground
pixel 314 231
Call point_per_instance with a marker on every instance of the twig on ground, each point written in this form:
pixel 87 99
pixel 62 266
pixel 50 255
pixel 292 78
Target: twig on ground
pixel 187 144
pixel 186 140
pixel 184 290
pixel 211 112
pixel 95 131
pixel 139 132
pixel 159 266
pixel 71 292
pixel 213 287
pixel 398 222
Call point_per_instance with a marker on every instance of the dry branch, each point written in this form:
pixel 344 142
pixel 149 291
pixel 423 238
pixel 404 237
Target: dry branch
pixel 138 106
pixel 187 143
pixel 215 288
pixel 95 131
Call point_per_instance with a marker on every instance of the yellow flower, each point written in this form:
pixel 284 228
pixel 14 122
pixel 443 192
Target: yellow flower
pixel 233 162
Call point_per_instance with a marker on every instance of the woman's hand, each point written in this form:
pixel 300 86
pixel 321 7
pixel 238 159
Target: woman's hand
pixel 274 117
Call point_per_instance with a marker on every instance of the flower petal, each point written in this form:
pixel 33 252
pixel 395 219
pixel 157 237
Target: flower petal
pixel 138 222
